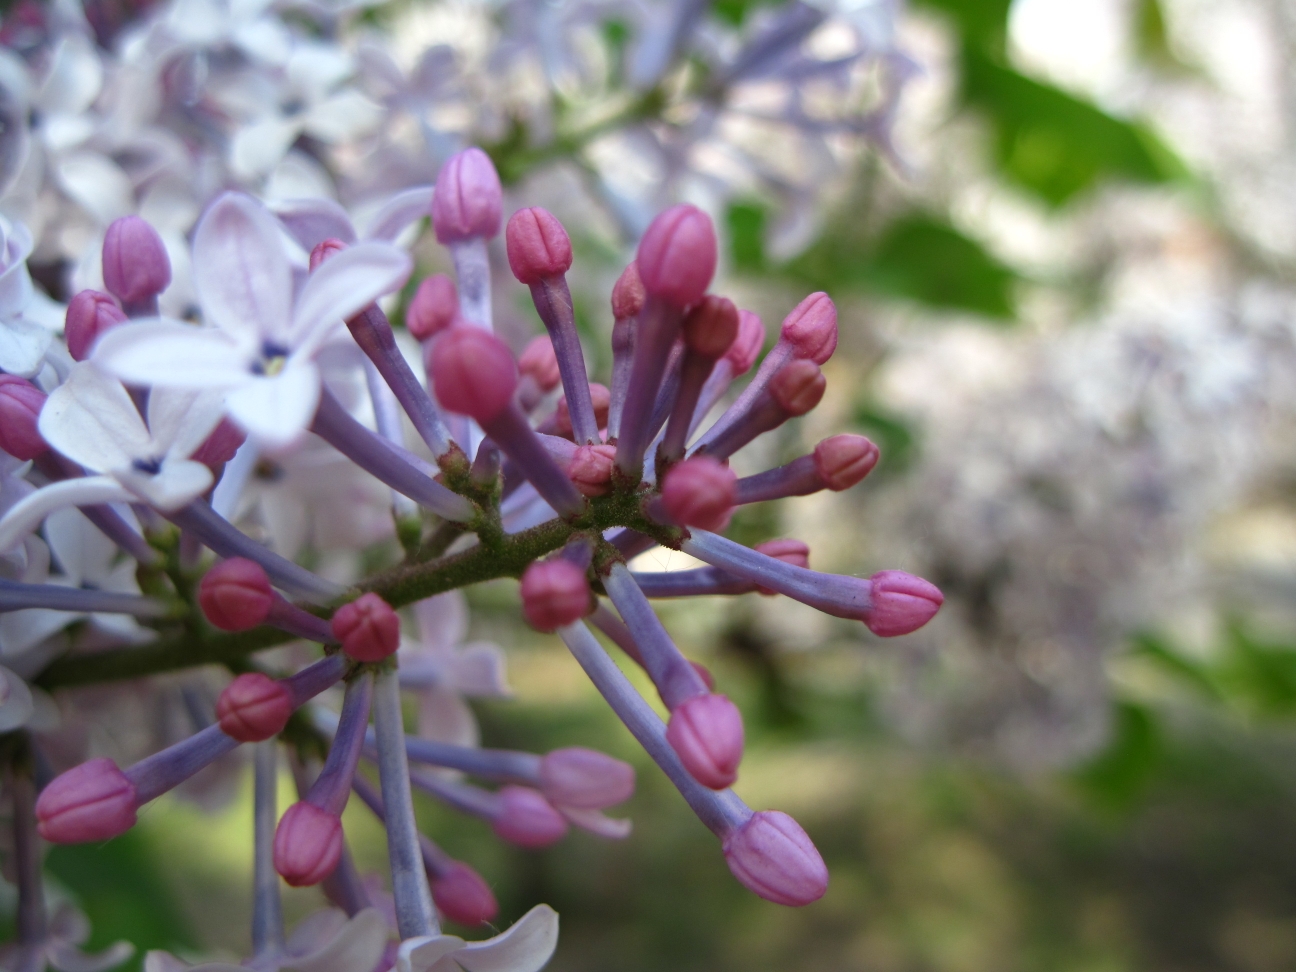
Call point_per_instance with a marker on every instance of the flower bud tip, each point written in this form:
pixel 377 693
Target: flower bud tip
pixel 677 256
pixel 253 707
pixel 20 407
pixel 706 733
pixel 699 492
pixel 467 201
pixel 473 372
pixel 585 778
pixel 89 314
pixel 554 593
pixel 433 308
pixel 901 603
pixel 462 895
pixel 527 819
pixel 91 802
pixel 135 263
pixel 771 855
pixel 307 844
pixel 537 245
pixel 235 594
pixel 368 628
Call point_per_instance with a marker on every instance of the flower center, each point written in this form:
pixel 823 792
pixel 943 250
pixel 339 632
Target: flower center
pixel 151 466
pixel 273 359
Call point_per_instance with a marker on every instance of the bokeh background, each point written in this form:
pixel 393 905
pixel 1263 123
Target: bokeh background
pixel 1067 288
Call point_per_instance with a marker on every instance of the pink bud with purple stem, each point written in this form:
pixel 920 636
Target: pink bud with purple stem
pixel 585 778
pixel 219 447
pixel 699 492
pixel 235 595
pixel 901 603
pixel 590 469
pixel 368 628
pixel 811 328
pixel 677 256
pixel 771 855
pixel 711 327
pixel 537 244
pixel 253 707
pixel 468 200
pixel 540 363
pixel 20 407
pixel 474 373
pixel 135 264
pixel 323 250
pixel 786 549
pixel 798 387
pixel 600 398
pixel 307 844
pixel 462 895
pixel 628 293
pixel 89 315
pixel 843 460
pixel 433 308
pixel 706 733
pixel 91 802
pixel 746 347
pixel 525 818
pixel 555 593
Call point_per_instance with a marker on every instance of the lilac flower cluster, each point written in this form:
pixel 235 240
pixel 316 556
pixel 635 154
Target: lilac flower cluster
pixel 152 418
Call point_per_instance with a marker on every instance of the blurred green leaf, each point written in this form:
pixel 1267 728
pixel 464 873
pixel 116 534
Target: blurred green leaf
pixel 746 220
pixel 734 12
pixel 1260 675
pixel 981 22
pixel 1158 650
pixel 1119 775
pixel 891 433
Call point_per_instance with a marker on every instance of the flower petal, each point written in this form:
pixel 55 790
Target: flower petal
pixel 66 958
pixel 358 945
pixel 596 822
pixel 525 947
pixel 343 285
pixel 174 355
pixel 445 717
pixel 80 549
pixel 180 421
pixel 22 347
pixel 421 954
pixel 241 272
pixel 25 516
pixel 398 212
pixel 276 411
pixel 91 419
pixel 15 701
pixel 257 148
pixel 97 183
pixel 442 620
pixel 179 482
pixel 311 221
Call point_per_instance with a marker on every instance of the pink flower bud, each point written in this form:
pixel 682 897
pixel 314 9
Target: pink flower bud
pixel 433 308
pixel 253 707
pixel 704 673
pixel 901 603
pixel 462 895
pixel 20 407
pixel 135 263
pixel 541 362
pixel 706 733
pixel 711 327
pixel 600 397
pixel 628 293
pixel 590 469
pixel 585 778
pixel 368 628
pixel 771 855
pixel 323 250
pixel 786 549
pixel 307 844
pixel 467 200
pixel 811 328
pixel 219 447
pixel 235 594
pixel 89 314
pixel 538 246
pixel 473 372
pixel 677 256
pixel 526 818
pixel 93 801
pixel 699 492
pixel 747 345
pixel 843 460
pixel 798 386
pixel 555 593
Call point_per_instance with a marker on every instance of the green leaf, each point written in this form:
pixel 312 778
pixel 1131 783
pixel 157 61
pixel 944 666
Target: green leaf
pixel 1155 649
pixel 734 12
pixel 1119 775
pixel 982 22
pixel 1262 676
pixel 746 220
pixel 891 433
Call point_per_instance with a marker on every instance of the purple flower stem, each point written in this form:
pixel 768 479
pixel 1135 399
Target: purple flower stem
pixel 332 787
pixel 315 678
pixel 623 345
pixel 373 332
pixel 691 583
pixel 473 275
pixel 108 521
pixel 713 390
pixel 764 415
pixel 676 680
pixel 472 800
pixel 386 462
pixel 522 444
pixel 345 888
pixel 692 377
pixel 267 907
pixel 631 543
pixel 779 355
pixel 415 913
pixel 800 477
pixel 722 812
pixel 226 540
pixel 15 596
pixel 287 616
pixel 668 391
pixel 387 418
pixel 553 302
pixel 659 324
pixel 436 861
pixel 31 918
pixel 498 765
pixel 835 594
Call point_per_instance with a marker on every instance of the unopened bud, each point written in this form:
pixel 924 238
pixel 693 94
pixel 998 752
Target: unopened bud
pixel 467 200
pixel 462 895
pixel 135 264
pixel 585 778
pixel 307 844
pixel 590 469
pixel 747 345
pixel 711 327
pixel 843 460
pixel 771 855
pixel 628 293
pixel 367 628
pixel 901 603
pixel 706 733
pixel 540 362
pixel 89 315
pixel 538 246
pixel 253 707
pixel 219 447
pixel 811 328
pixel 527 819
pixel 677 256
pixel 473 372
pixel 786 549
pixel 433 308
pixel 554 594
pixel 91 802
pixel 798 386
pixel 699 492
pixel 323 250
pixel 20 407
pixel 600 398
pixel 235 594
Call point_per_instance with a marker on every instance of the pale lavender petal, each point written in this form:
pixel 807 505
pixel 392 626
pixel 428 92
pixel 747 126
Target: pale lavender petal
pixel 525 947
pixel 398 212
pixel 175 355
pixel 241 272
pixel 343 285
pixel 91 419
pixel 276 411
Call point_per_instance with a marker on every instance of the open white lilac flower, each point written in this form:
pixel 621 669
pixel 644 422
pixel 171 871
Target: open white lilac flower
pixel 525 947
pixel 261 340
